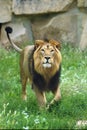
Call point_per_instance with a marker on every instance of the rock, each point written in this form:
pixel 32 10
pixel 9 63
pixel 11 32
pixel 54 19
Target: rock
pixel 83 41
pixel 41 6
pixel 5 11
pixel 82 3
pixel 21 35
pixel 61 27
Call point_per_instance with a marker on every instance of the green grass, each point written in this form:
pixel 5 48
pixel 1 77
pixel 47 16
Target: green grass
pixel 17 114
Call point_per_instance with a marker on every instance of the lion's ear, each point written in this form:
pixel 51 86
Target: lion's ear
pixel 55 43
pixel 38 43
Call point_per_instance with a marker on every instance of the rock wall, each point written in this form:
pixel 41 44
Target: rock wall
pixel 62 20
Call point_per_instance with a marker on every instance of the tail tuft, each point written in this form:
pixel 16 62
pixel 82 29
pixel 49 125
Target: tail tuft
pixel 8 29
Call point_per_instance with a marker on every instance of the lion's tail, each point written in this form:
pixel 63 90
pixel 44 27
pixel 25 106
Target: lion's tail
pixel 8 31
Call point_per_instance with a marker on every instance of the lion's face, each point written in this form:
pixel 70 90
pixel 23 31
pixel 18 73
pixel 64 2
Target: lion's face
pixel 47 57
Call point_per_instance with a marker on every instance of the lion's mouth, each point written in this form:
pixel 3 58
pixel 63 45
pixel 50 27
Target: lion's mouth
pixel 47 65
pixel 47 62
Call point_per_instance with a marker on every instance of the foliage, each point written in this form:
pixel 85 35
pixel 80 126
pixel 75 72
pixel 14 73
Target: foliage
pixel 17 114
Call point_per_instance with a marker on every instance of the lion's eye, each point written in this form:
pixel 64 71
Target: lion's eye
pixel 52 51
pixel 42 51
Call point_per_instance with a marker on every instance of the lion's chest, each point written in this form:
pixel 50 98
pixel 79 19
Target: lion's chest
pixel 43 85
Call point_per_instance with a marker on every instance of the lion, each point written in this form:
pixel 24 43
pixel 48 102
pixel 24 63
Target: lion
pixel 41 64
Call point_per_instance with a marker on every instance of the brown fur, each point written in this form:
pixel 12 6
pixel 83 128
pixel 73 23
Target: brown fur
pixel 40 63
pixel 47 73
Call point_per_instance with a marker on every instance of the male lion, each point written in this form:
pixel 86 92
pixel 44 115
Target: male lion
pixel 41 64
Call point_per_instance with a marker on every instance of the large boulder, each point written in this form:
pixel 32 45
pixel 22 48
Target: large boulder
pixel 83 41
pixel 82 3
pixel 40 6
pixel 60 27
pixel 5 11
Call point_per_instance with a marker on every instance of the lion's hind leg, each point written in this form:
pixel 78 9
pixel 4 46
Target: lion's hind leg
pixel 23 81
pixel 23 77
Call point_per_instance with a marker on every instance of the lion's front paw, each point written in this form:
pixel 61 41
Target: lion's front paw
pixel 50 104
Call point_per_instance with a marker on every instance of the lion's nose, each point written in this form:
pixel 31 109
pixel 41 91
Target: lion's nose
pixel 47 58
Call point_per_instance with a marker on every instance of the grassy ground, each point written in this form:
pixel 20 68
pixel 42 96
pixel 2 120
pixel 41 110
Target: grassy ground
pixel 15 113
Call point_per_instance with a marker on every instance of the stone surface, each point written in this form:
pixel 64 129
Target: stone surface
pixel 82 3
pixel 61 20
pixel 85 3
pixel 21 35
pixel 83 41
pixel 40 6
pixel 61 27
pixel 5 11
